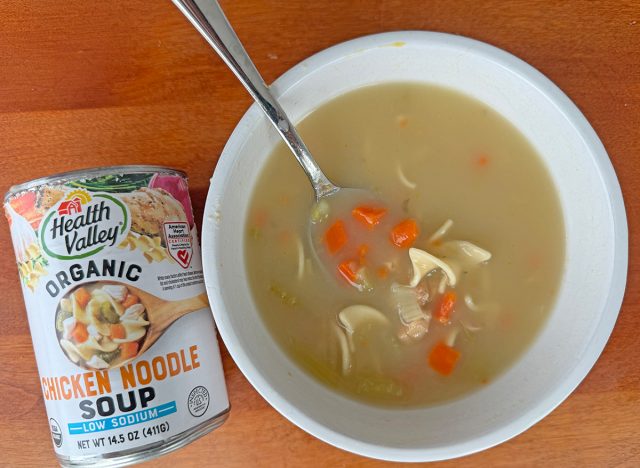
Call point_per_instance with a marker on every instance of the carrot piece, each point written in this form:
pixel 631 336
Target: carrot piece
pixel 482 160
pixel 445 307
pixel 404 234
pixel 260 218
pixel 284 199
pixel 285 237
pixel 82 297
pixel 336 236
pixel 443 358
pixel 79 334
pixel 118 331
pixel 382 272
pixel 370 216
pixel 128 350
pixel 362 253
pixel 349 270
pixel 505 321
pixel 130 300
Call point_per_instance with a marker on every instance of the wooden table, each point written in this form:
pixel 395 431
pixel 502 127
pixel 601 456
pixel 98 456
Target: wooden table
pixel 90 83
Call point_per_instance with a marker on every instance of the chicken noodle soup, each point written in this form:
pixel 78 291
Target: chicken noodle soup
pixel 101 326
pixel 110 268
pixel 437 283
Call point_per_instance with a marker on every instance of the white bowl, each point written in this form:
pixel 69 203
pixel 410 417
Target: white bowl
pixel 596 250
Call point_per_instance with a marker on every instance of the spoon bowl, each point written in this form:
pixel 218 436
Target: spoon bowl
pixel 161 313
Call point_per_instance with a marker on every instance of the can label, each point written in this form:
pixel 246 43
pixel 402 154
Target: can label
pixel 112 279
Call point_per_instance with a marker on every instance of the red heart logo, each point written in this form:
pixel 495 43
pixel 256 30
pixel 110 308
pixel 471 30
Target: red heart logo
pixel 183 256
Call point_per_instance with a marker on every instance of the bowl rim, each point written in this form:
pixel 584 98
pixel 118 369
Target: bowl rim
pixel 608 314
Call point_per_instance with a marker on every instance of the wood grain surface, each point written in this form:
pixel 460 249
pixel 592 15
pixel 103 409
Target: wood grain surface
pixel 91 83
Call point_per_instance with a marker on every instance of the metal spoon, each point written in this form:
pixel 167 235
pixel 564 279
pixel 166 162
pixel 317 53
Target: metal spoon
pixel 211 23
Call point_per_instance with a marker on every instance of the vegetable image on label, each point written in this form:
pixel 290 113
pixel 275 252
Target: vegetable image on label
pixel 104 325
pixel 101 326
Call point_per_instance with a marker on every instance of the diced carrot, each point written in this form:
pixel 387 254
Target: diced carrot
pixel 534 261
pixel 405 233
pixel 79 334
pixel 285 237
pixel 336 236
pixel 130 300
pixel 382 272
pixel 443 358
pixel 445 307
pixel 128 350
pixel 362 253
pixel 505 321
pixel 370 216
pixel 402 121
pixel 82 297
pixel 260 218
pixel 349 270
pixel 284 199
pixel 482 160
pixel 118 331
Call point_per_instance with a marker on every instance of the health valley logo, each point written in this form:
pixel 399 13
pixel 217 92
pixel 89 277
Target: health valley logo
pixel 82 225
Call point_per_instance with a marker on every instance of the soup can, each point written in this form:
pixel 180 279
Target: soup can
pixel 111 273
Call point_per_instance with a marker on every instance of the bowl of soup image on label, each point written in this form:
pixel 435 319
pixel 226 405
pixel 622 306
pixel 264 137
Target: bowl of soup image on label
pixel 501 260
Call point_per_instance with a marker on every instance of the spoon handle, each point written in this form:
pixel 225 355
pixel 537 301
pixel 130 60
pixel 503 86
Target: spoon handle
pixel 211 23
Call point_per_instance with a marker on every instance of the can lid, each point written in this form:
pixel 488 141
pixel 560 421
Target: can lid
pixel 88 173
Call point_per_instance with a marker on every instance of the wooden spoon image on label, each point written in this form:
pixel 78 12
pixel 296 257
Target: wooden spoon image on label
pixel 161 313
pixel 107 324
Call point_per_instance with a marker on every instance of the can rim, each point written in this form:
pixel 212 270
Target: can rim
pixel 92 171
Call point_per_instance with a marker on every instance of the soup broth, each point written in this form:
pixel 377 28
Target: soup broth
pixel 460 172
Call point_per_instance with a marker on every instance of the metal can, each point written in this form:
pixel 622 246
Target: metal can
pixel 110 267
